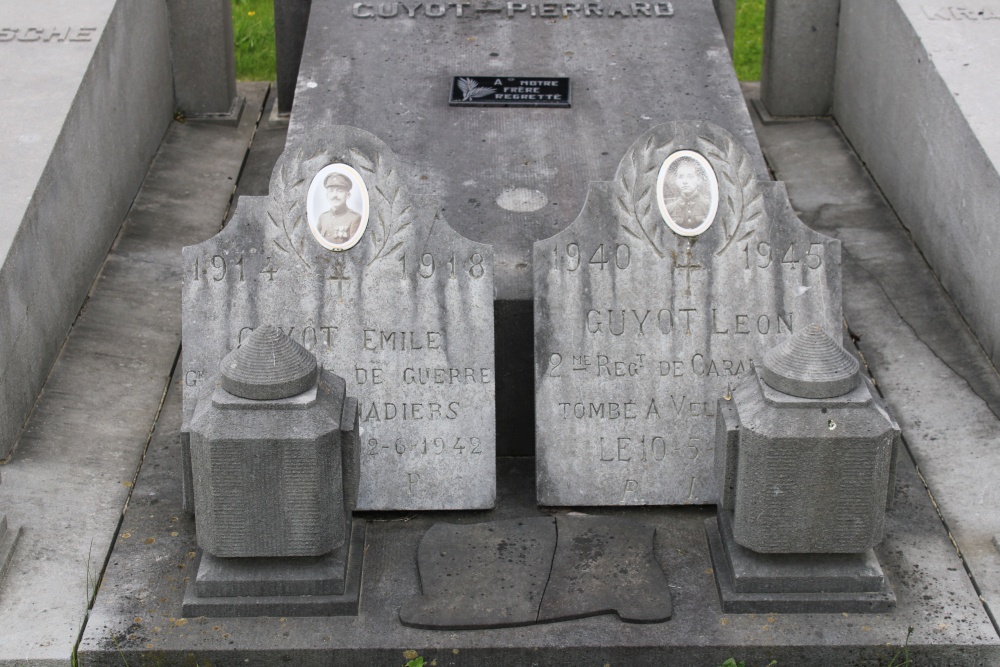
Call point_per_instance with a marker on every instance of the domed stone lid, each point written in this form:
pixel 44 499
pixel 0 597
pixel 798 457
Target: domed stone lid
pixel 810 365
pixel 267 366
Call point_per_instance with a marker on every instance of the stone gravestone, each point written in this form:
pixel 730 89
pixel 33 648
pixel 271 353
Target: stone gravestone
pixel 510 176
pixel 341 258
pixel 654 303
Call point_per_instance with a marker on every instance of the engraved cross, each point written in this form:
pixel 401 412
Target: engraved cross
pixel 688 268
pixel 338 275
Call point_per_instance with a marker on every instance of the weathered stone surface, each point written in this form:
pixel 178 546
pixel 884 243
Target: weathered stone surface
pixel 537 570
pixel 267 366
pixel 753 572
pixel 488 575
pixel 810 475
pixel 769 590
pixel 269 577
pixel 87 99
pixel 810 364
pixel 511 176
pixel 640 327
pixel 914 93
pixel 273 588
pixel 8 540
pixel 269 476
pixel 799 55
pixel 203 58
pixel 401 307
pixel 604 565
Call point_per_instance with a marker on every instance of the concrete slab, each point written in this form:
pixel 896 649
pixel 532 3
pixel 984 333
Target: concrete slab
pixel 138 610
pixel 800 52
pixel 926 361
pixel 71 474
pixel 915 93
pixel 85 107
pixel 203 59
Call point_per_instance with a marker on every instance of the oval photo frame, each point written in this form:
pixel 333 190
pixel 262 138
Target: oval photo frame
pixel 691 213
pixel 337 207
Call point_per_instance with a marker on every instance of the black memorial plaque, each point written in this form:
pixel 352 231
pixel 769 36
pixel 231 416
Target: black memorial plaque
pixel 510 91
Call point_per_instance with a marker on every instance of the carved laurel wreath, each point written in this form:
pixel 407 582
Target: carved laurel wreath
pixel 743 199
pixel 389 213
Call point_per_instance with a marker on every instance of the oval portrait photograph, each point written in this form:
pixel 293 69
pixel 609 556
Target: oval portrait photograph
pixel 687 191
pixel 337 207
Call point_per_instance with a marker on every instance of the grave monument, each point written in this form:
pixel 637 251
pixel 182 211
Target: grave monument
pixel 274 447
pixel 806 467
pixel 373 281
pixel 654 303
pixel 511 175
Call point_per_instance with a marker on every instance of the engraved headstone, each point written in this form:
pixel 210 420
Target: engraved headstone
pixel 373 281
pixel 508 175
pixel 653 304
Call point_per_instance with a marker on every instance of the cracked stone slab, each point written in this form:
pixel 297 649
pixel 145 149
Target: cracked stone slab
pixel 604 565
pixel 488 575
pixel 540 570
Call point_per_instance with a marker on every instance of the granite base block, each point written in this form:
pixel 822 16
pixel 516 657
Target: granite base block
pixel 214 575
pixel 777 584
pixel 754 572
pixel 269 577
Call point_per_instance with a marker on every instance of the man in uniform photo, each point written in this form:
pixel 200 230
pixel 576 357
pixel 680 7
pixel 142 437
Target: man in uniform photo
pixel 690 208
pixel 340 223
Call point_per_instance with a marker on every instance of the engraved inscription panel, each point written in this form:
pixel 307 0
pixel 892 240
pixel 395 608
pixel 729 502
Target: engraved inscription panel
pixel 640 326
pixel 511 10
pixel 399 304
pixel 47 34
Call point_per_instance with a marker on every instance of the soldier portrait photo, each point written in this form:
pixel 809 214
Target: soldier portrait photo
pixel 688 193
pixel 337 207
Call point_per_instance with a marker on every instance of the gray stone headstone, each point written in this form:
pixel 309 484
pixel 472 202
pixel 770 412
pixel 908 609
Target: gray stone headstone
pixel 651 306
pixel 390 298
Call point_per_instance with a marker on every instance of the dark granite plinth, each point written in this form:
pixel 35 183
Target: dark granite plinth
pixel 267 587
pixel 749 582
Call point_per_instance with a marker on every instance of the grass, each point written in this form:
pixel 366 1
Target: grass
pixel 253 35
pixel 749 38
pixel 253 30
